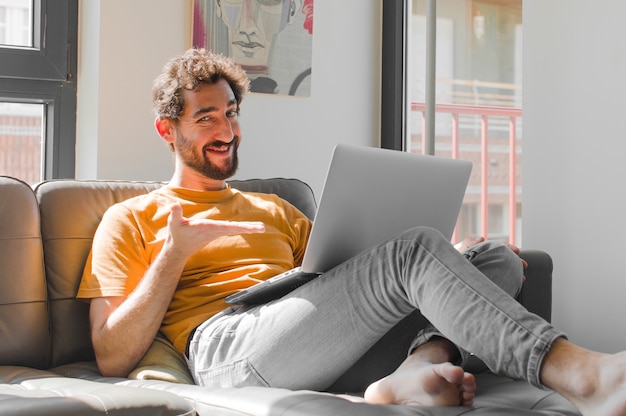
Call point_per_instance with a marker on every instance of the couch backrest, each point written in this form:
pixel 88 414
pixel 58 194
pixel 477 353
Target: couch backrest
pixel 24 323
pixel 70 213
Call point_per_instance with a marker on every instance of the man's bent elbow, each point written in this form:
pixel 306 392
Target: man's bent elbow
pixel 110 368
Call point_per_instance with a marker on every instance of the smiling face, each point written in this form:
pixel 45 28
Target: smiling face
pixel 206 137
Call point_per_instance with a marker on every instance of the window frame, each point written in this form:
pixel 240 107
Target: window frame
pixel 396 106
pixel 46 74
pixel 393 75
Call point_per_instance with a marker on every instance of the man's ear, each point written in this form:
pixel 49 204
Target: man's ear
pixel 165 129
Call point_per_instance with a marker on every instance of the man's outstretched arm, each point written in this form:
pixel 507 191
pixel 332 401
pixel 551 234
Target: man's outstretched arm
pixel 123 328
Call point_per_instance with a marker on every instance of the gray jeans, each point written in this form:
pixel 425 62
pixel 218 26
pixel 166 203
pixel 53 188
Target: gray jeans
pixel 309 338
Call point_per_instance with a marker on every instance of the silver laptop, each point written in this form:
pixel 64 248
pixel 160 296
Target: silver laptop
pixel 369 196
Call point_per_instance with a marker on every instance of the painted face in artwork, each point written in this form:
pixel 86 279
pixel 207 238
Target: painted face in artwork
pixel 253 26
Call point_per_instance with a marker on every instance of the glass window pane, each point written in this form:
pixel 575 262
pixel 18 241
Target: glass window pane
pixel 16 23
pixel 478 52
pixel 21 141
pixel 478 97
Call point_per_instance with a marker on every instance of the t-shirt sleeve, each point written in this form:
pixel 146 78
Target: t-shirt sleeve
pixel 117 260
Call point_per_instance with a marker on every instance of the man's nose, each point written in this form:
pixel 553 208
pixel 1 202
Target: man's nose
pixel 226 131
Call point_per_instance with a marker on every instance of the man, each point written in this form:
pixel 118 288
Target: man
pixel 166 261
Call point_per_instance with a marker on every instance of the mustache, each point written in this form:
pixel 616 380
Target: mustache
pixel 220 143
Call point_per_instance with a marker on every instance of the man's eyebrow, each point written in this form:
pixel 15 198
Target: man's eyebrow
pixel 204 110
pixel 212 109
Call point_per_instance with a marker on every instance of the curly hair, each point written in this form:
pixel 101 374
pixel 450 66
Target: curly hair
pixel 186 72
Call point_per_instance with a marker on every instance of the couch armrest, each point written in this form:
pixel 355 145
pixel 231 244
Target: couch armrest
pixel 536 294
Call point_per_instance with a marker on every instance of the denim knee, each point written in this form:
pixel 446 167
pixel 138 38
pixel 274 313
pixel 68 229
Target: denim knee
pixel 499 263
pixel 425 236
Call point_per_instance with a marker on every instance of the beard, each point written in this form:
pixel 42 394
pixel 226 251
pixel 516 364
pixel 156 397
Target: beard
pixel 202 164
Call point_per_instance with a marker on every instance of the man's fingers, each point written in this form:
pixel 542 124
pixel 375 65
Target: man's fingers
pixel 219 226
pixel 241 226
pixel 230 227
pixel 514 248
pixel 176 213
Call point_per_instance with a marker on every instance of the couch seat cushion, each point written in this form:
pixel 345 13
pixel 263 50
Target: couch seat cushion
pixel 29 392
pixel 497 396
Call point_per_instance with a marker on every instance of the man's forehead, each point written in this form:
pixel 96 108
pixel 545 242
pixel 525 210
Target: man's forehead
pixel 219 92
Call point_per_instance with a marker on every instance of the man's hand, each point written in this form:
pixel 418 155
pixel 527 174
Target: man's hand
pixel 189 235
pixel 516 251
pixel 469 242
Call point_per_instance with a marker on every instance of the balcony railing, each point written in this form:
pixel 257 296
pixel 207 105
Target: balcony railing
pixel 485 113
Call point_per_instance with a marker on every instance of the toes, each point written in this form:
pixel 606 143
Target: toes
pixel 469 383
pixel 467 399
pixel 468 390
pixel 451 373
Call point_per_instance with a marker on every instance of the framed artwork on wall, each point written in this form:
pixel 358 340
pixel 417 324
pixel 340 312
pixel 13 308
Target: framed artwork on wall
pixel 270 39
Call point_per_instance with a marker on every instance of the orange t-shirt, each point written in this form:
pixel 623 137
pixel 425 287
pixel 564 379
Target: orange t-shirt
pixel 132 233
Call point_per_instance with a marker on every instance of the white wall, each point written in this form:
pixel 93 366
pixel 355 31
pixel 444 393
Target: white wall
pixel 574 168
pixel 123 46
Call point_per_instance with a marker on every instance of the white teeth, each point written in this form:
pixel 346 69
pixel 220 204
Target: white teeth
pixel 220 149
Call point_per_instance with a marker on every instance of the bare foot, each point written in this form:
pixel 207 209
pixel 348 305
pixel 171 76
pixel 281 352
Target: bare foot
pixel 593 382
pixel 605 392
pixel 423 383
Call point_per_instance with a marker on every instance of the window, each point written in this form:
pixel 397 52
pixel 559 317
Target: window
pixel 21 136
pixel 461 99
pixel 38 46
pixel 16 23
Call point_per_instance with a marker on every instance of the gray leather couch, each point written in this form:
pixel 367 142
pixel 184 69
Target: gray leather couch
pixel 47 362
